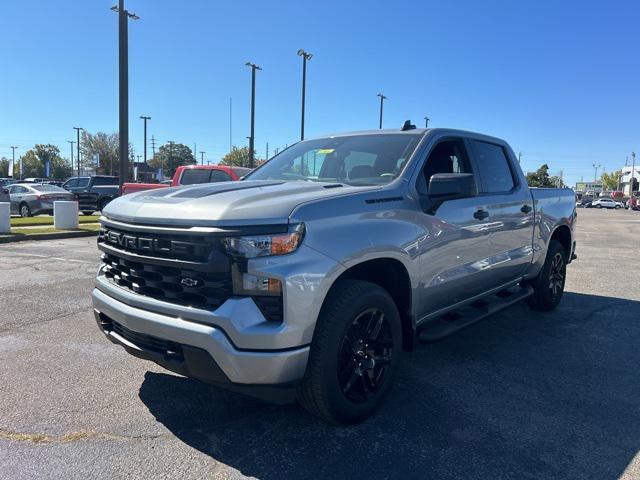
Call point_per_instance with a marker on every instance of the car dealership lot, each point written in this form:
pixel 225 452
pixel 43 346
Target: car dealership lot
pixel 522 395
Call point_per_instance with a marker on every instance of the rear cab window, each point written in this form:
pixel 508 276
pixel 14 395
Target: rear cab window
pixel 194 176
pixel 496 175
pixel 105 180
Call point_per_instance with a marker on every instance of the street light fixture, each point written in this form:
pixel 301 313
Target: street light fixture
pixel 426 122
pixel 253 67
pixel 305 56
pixel 382 99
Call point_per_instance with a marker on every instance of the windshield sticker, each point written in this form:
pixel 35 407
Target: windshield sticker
pixel 326 151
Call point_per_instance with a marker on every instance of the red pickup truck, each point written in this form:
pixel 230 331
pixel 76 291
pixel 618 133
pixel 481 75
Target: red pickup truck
pixel 191 175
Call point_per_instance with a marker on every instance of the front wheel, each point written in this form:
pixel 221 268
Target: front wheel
pixel 598 206
pixel 548 286
pixel 354 353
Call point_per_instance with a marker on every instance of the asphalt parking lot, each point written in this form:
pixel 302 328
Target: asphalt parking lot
pixel 522 395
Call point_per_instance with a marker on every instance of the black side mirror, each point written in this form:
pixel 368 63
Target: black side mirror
pixel 446 186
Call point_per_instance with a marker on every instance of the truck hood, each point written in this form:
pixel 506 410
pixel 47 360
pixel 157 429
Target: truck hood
pixel 250 202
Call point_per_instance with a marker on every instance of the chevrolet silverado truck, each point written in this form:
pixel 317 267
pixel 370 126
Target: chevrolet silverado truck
pixel 312 276
pixel 192 175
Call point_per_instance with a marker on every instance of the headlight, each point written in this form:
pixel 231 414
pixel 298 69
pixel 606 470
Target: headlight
pixel 265 245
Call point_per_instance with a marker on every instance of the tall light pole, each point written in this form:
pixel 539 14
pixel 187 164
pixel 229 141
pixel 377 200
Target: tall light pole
pixel 144 119
pixel 123 85
pixel 595 178
pixel 305 56
pixel 633 173
pixel 202 157
pixel 13 161
pixel 426 122
pixel 77 129
pixel 71 142
pixel 519 156
pixel 170 161
pixel 253 67
pixel 382 99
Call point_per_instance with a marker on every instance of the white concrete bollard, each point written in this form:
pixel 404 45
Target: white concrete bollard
pixel 65 215
pixel 5 217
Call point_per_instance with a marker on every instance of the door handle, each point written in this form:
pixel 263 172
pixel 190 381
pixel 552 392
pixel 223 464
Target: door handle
pixel 526 209
pixel 481 214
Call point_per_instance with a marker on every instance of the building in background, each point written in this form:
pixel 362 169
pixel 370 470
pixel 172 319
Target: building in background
pixel 625 180
pixel 588 187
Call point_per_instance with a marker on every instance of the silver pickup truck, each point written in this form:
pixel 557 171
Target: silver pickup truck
pixel 310 277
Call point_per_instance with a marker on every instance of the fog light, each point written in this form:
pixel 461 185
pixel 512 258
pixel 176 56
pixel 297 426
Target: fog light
pixel 261 285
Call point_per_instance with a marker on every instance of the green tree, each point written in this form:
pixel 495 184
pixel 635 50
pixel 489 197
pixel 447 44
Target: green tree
pixel 237 157
pixel 4 167
pixel 33 162
pixel 171 156
pixel 540 178
pixel 610 180
pixel 106 146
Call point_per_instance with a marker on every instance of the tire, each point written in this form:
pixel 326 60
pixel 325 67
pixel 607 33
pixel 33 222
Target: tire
pixel 351 367
pixel 598 206
pixel 25 211
pixel 87 212
pixel 548 286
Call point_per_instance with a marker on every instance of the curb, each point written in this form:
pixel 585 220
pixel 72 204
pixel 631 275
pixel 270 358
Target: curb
pixel 23 237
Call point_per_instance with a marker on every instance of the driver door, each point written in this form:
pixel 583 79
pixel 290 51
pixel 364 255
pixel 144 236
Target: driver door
pixel 454 240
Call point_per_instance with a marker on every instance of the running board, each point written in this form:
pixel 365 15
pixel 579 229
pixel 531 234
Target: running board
pixel 456 320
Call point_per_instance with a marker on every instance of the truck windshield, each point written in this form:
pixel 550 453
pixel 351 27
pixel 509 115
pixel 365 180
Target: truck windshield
pixel 373 159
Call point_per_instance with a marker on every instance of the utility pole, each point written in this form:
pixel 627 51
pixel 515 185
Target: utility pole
pixel 382 99
pixel 170 161
pixel 305 56
pixel 153 146
pixel 77 129
pixel 72 143
pixel 123 85
pixel 519 156
pixel 202 157
pixel 195 151
pixel 252 138
pixel 13 161
pixel 633 174
pixel 144 119
pixel 230 123
pixel 426 122
pixel 267 156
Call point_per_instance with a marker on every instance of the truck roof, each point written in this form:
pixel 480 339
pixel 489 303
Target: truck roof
pixel 414 131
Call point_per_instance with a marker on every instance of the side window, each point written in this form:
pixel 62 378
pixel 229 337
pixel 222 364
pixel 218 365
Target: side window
pixel 71 183
pixel 194 176
pixel 493 166
pixel 219 176
pixel 83 182
pixel 446 157
pixel 105 181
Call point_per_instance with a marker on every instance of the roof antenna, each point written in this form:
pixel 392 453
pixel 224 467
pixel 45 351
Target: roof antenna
pixel 407 126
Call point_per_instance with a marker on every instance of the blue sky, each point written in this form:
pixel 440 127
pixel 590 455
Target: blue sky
pixel 558 80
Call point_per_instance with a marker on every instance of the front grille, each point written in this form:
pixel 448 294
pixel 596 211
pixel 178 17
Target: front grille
pixel 169 284
pixel 183 269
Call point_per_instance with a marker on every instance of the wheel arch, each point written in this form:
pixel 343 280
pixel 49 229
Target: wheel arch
pixel 392 275
pixel 562 233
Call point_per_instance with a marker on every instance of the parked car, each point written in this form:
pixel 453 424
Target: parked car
pixel 314 273
pixel 29 199
pixel 93 193
pixel 191 175
pixel 605 203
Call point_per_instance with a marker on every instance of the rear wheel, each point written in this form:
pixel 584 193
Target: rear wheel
pixel 354 354
pixel 25 211
pixel 103 203
pixel 548 286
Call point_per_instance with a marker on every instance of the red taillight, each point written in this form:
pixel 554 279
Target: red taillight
pixel 44 197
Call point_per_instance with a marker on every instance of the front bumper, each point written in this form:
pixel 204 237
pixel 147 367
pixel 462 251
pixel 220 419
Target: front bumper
pixel 204 351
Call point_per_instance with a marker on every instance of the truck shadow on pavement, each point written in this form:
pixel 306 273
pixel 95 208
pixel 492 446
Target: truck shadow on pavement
pixel 521 395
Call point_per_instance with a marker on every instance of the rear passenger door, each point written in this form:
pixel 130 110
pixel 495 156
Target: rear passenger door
pixel 507 201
